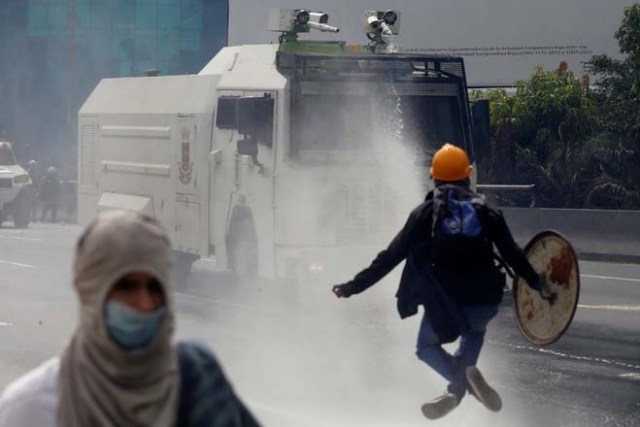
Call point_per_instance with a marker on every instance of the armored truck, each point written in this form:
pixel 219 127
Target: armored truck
pixel 276 160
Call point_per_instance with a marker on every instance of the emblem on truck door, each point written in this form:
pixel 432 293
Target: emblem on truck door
pixel 186 165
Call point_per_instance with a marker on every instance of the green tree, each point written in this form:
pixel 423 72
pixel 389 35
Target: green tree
pixel 539 131
pixel 579 145
pixel 611 175
pixel 628 36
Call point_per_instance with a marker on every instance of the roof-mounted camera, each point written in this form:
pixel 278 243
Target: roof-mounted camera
pixel 291 22
pixel 379 26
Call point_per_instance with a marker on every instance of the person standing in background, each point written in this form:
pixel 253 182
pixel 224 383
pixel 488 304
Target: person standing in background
pixel 49 194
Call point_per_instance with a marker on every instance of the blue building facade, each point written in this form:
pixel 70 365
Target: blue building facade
pixel 54 52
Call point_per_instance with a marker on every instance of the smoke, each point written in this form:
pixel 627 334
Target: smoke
pixel 315 360
pixel 352 179
pixel 298 355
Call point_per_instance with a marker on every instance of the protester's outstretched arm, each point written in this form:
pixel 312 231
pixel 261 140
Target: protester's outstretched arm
pixel 386 261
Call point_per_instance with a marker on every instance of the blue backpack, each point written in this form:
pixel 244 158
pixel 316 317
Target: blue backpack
pixel 457 230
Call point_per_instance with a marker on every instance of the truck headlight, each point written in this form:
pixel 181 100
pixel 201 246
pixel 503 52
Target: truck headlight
pixel 21 179
pixel 316 268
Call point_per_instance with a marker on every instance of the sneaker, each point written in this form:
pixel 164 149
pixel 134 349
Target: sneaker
pixel 482 391
pixel 440 406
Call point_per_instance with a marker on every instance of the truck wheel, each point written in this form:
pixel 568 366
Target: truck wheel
pixel 21 213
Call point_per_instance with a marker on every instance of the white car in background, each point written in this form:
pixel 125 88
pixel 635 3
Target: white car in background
pixel 15 186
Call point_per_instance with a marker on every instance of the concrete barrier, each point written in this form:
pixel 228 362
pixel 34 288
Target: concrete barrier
pixel 606 235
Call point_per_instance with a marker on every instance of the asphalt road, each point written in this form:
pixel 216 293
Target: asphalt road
pixel 299 357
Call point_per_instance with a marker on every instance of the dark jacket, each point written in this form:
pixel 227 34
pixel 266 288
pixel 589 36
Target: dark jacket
pixel 49 191
pixel 477 280
pixel 206 397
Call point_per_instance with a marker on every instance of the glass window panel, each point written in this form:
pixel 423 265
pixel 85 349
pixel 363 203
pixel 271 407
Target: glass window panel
pixel 123 45
pixel 169 19
pixel 101 44
pixel 168 49
pixel 82 34
pixel 126 68
pixel 124 13
pixel 146 14
pixel 145 32
pixel 59 17
pixel 83 15
pixel 38 19
pixel 100 14
pixel 191 14
pixel 145 49
pixel 190 41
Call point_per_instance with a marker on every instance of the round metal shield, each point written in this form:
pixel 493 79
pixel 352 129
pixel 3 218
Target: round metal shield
pixel 542 321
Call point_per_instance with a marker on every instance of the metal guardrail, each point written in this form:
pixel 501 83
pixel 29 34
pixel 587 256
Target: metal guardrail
pixel 502 195
pixel 608 235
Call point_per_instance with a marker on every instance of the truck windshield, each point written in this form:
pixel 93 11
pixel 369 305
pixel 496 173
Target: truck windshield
pixel 7 158
pixel 335 127
pixel 331 122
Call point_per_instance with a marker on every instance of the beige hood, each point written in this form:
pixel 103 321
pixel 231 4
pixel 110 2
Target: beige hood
pixel 100 384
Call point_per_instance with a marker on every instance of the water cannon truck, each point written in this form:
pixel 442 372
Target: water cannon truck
pixel 278 160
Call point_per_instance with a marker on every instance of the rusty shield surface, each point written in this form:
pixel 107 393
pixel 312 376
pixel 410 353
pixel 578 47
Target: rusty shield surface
pixel 541 321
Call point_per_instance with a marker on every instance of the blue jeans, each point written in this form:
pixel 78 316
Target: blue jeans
pixel 452 367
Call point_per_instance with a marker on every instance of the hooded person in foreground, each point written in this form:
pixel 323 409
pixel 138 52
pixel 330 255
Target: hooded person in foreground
pixel 120 368
pixel 451 269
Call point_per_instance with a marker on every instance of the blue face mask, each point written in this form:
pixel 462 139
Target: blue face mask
pixel 130 328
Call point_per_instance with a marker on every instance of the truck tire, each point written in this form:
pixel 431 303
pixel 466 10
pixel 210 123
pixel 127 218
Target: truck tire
pixel 21 212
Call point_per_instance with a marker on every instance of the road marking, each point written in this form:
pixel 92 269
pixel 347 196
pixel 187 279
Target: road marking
pixel 631 375
pixel 31 239
pixel 5 324
pixel 17 264
pixel 622 279
pixel 611 307
pixel 567 356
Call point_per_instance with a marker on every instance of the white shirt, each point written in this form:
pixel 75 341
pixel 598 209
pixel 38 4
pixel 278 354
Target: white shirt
pixel 32 400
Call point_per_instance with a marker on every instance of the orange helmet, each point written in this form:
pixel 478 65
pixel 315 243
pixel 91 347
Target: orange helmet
pixel 450 163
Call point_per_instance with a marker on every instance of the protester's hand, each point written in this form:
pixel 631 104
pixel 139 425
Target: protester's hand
pixel 542 286
pixel 538 284
pixel 340 291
